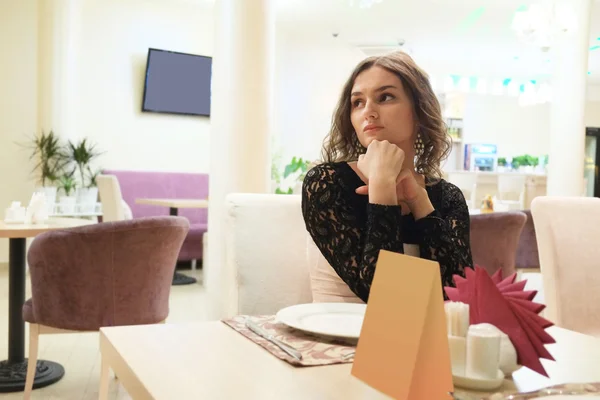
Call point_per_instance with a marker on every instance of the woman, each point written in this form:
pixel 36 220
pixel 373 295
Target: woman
pixel 380 185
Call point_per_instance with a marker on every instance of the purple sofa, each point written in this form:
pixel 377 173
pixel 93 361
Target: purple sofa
pixel 168 185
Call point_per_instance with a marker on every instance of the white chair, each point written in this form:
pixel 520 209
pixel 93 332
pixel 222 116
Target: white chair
pixel 567 230
pixel 467 183
pixel 266 265
pixel 114 208
pixel 272 261
pixel 511 191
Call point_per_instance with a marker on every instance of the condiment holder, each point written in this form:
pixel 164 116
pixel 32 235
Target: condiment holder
pixel 481 355
pixel 35 213
pixel 15 214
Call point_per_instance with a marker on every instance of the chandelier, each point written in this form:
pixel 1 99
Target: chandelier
pixel 542 23
pixel 364 3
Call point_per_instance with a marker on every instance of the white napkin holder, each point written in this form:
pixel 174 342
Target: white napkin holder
pixel 37 213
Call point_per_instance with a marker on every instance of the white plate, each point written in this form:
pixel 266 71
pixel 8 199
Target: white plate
pixel 479 384
pixel 341 320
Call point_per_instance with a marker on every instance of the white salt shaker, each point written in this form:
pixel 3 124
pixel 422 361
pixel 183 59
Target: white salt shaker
pixel 483 352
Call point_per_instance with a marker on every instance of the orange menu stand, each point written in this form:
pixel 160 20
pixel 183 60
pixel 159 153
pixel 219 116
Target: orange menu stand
pixel 403 346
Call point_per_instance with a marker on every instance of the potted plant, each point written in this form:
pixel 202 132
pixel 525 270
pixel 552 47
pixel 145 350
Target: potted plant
pixel 82 154
pixel 520 163
pixel 67 202
pixel 293 175
pixel 501 164
pixel 529 163
pixel 51 161
pixel 534 161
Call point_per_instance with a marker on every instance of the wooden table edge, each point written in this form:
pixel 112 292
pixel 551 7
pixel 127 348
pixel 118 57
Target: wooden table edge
pixel 130 381
pixel 173 203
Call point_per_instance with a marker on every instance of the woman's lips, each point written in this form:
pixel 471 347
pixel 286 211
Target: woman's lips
pixel 372 129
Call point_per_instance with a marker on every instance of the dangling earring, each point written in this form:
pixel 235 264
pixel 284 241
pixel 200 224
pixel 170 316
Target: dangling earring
pixel 419 145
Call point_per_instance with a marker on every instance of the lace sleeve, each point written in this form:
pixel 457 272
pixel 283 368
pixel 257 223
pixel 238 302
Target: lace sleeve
pixel 444 235
pixel 333 224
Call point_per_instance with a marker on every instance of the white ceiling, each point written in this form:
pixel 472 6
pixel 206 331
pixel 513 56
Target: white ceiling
pixel 468 37
pixel 465 37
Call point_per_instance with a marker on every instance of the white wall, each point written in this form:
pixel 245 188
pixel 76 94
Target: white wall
pixel 592 114
pixel 499 119
pixel 18 102
pixel 516 130
pixel 111 46
pixel 311 69
pixel 111 62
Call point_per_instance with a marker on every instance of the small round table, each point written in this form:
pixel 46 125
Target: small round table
pixel 13 371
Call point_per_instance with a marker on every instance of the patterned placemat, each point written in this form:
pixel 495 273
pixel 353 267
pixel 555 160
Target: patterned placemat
pixel 315 350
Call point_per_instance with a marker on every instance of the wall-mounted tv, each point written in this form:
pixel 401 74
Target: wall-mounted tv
pixel 177 83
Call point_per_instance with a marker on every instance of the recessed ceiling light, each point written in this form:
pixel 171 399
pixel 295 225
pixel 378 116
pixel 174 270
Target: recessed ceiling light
pixel 594 47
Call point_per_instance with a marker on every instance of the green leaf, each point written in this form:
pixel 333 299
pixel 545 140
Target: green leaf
pixel 82 154
pixel 288 170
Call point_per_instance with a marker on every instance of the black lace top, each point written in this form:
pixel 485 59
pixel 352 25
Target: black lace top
pixel 350 231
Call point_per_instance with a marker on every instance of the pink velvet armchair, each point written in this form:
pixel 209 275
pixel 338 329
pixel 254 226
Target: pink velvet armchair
pixel 108 274
pixel 494 240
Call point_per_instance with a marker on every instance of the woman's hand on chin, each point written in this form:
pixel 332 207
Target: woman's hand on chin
pixel 381 166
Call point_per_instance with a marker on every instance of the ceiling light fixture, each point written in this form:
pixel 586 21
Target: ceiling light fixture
pixel 541 24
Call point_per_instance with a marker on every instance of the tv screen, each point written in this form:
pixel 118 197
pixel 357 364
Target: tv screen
pixel 177 83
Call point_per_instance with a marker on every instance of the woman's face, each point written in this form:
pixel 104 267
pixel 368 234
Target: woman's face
pixel 381 109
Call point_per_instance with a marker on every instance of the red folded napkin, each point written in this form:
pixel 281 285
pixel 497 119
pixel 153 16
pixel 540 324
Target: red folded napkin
pixel 508 306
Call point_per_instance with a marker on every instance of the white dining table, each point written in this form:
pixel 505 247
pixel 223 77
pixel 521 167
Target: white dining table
pixel 209 360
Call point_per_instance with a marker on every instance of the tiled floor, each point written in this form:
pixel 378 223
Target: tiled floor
pixel 79 354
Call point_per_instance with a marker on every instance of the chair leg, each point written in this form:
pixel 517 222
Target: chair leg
pixel 104 372
pixel 194 264
pixel 34 334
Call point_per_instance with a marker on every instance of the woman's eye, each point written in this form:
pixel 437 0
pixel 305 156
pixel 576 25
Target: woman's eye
pixel 356 103
pixel 386 97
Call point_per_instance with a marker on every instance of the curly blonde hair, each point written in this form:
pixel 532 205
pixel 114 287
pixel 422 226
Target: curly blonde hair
pixel 341 144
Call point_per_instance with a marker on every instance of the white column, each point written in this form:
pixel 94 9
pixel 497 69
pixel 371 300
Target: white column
pixel 240 127
pixel 58 23
pixel 567 129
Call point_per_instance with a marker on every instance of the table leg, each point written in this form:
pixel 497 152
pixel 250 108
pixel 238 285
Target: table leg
pixel 14 370
pixel 180 279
